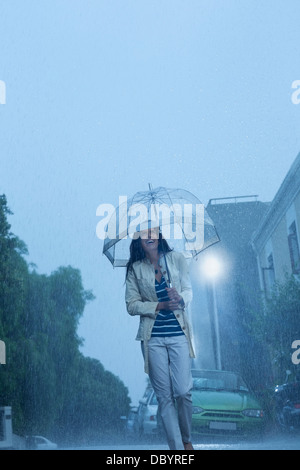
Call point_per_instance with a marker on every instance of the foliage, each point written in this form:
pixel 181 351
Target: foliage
pixel 253 355
pixel 53 389
pixel 278 326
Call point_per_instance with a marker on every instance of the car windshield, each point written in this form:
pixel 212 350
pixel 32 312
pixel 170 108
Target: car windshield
pixel 218 381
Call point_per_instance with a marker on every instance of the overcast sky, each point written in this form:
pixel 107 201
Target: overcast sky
pixel 103 97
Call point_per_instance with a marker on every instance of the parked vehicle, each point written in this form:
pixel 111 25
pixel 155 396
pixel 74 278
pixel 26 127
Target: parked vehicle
pixel 132 422
pixel 223 403
pixel 287 406
pixel 39 443
pixel 148 417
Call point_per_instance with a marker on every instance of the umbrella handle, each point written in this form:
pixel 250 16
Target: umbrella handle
pixel 168 272
pixel 164 254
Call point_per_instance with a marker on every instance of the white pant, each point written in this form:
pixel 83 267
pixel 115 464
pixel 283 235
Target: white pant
pixel 171 378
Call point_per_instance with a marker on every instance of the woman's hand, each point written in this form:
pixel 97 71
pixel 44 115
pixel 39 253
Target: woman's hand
pixel 175 302
pixel 173 294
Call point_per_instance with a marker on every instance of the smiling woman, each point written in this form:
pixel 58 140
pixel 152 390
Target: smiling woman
pixel 164 330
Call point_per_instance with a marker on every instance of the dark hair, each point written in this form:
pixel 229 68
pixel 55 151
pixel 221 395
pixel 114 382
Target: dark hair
pixel 137 252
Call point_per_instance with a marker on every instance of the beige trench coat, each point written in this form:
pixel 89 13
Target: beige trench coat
pixel 141 298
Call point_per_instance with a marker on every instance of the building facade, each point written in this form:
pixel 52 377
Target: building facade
pixel 276 241
pixel 260 246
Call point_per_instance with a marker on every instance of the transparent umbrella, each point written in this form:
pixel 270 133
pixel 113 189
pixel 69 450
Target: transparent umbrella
pixel 180 216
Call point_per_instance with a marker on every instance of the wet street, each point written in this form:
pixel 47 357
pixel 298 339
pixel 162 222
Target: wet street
pixel 269 442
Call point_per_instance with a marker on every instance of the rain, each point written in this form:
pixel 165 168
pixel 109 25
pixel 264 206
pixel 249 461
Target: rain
pixel 100 101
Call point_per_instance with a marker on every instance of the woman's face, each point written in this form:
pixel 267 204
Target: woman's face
pixel 149 240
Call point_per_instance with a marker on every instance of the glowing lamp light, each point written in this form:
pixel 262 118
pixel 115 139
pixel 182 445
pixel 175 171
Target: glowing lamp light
pixel 211 268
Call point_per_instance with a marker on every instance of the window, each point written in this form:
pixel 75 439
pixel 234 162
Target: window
pixel 294 248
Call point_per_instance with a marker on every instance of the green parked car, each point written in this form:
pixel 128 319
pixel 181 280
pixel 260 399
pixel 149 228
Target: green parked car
pixel 223 404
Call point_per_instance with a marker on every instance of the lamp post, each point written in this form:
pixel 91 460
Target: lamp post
pixel 212 269
pixel 2 353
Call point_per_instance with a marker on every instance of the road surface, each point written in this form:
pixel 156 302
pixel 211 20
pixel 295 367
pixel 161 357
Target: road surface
pixel 275 442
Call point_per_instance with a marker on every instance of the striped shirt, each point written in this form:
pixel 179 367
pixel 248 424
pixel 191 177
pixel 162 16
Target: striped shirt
pixel 166 323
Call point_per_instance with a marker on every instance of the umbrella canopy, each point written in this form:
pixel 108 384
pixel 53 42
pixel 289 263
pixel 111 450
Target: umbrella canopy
pixel 181 217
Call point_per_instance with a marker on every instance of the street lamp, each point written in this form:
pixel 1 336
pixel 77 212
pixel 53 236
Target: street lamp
pixel 212 270
pixel 2 353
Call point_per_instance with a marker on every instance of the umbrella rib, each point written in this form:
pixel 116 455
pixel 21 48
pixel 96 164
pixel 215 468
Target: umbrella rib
pixel 167 197
pixel 171 202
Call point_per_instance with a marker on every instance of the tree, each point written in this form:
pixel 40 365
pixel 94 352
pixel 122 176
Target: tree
pixel 52 388
pixel 279 324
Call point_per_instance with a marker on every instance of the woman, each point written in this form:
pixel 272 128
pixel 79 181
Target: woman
pixel 164 329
